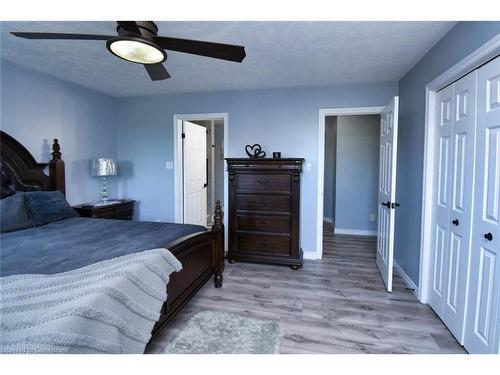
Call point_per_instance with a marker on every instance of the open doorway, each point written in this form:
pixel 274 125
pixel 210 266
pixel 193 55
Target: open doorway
pixel 351 179
pixel 353 199
pixel 351 174
pixel 200 144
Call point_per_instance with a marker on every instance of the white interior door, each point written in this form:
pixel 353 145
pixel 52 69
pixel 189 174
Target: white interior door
pixel 387 190
pixel 442 194
pixel 194 173
pixel 461 198
pixel 482 332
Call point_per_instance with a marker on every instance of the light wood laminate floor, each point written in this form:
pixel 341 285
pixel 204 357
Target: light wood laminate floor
pixel 335 305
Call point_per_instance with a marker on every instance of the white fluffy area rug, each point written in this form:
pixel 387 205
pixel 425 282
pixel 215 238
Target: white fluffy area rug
pixel 212 332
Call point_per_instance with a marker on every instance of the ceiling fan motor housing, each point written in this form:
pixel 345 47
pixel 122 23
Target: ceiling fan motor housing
pixel 142 32
pixel 148 29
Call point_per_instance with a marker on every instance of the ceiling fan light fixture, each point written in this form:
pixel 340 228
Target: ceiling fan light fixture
pixel 136 50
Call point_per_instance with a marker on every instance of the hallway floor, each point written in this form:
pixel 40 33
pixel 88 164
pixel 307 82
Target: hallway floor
pixel 335 305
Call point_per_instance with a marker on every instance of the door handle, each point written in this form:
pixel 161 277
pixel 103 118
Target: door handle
pixel 394 205
pixel 488 236
pixel 387 204
pixel 205 185
pixel 456 222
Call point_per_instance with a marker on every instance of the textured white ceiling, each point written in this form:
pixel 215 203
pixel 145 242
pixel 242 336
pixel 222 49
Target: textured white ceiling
pixel 279 54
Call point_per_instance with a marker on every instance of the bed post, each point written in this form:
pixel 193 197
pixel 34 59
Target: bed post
pixel 219 253
pixel 56 169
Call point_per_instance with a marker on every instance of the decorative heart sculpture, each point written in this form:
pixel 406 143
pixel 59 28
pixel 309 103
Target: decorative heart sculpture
pixel 255 151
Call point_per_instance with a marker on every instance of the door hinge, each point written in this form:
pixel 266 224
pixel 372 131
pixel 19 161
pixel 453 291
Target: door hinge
pixel 183 135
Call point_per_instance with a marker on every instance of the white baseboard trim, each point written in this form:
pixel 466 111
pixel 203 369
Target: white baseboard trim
pixel 310 255
pixel 409 282
pixel 355 232
pixel 328 219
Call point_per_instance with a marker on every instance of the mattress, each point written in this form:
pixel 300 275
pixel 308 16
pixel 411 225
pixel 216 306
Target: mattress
pixel 78 242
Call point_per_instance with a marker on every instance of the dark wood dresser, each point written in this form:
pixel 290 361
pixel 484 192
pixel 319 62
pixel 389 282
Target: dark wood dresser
pixel 264 210
pixel 123 210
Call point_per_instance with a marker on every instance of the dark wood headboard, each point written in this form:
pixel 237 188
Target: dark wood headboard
pixel 21 172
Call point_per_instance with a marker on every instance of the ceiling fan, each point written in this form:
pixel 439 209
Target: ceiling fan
pixel 138 42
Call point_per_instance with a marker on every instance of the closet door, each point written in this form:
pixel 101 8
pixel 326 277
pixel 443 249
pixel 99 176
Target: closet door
pixel 456 253
pixel 442 197
pixel 482 324
pixel 454 181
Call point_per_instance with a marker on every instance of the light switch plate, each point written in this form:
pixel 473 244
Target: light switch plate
pixel 169 165
pixel 308 167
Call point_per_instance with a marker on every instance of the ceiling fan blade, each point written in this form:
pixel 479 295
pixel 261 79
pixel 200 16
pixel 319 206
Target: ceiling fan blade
pixel 157 72
pixel 197 47
pixel 129 26
pixel 61 36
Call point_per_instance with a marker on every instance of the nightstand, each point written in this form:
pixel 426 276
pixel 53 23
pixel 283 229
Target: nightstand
pixel 122 210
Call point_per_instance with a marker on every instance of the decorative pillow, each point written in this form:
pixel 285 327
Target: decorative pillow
pixel 47 206
pixel 13 215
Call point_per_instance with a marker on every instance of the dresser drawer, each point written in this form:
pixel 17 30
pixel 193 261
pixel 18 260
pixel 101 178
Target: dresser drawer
pixel 105 212
pixel 264 182
pixel 115 211
pixel 276 203
pixel 261 223
pixel 123 210
pixel 263 243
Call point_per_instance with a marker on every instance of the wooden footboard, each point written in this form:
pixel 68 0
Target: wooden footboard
pixel 201 255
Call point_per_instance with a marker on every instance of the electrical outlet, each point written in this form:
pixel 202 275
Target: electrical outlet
pixel 372 217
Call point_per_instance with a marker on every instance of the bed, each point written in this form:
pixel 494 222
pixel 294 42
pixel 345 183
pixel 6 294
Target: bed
pixel 200 251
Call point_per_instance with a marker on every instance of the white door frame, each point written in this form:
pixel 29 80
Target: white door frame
pixel 323 113
pixel 178 192
pixel 212 168
pixel 464 66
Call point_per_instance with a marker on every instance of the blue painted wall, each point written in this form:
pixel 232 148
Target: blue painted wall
pixel 280 120
pixel 35 108
pixel 330 167
pixel 460 41
pixel 357 172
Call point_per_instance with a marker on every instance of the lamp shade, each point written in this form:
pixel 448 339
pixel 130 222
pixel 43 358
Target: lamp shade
pixel 103 167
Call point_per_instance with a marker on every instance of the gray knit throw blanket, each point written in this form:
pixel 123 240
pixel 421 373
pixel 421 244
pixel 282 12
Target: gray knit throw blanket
pixel 107 307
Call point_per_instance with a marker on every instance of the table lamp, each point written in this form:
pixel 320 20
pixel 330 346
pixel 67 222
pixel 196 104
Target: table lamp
pixel 103 167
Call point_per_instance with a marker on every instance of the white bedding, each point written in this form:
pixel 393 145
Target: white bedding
pixel 107 307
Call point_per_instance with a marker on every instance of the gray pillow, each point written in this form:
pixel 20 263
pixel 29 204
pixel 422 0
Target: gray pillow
pixel 13 214
pixel 47 206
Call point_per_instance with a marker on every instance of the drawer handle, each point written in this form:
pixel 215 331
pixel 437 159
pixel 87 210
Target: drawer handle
pixel 488 236
pixel 263 182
